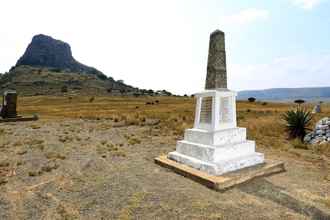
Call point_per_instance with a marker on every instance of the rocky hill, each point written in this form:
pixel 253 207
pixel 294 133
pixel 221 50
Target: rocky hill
pixel 29 81
pixel 44 51
pixel 48 68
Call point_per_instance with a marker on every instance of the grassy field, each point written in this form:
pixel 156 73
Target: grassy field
pixel 263 120
pixel 92 158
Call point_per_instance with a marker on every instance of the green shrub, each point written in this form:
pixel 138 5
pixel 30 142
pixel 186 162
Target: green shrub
pixel 64 89
pixel 299 101
pixel 297 122
pixel 57 70
pixel 102 77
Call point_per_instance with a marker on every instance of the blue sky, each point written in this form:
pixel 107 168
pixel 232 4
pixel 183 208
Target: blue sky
pixel 164 44
pixel 290 29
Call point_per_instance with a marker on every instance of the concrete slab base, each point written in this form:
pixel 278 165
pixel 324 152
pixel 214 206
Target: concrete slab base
pixel 19 118
pixel 225 181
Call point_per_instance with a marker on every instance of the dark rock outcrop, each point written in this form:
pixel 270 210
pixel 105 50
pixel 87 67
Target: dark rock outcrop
pixel 44 51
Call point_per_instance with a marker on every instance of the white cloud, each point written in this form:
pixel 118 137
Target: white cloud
pixel 285 72
pixel 306 4
pixel 246 16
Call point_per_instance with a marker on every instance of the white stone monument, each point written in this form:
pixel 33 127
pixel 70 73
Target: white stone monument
pixel 216 145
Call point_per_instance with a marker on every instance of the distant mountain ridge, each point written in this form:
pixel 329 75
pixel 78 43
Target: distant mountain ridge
pixel 282 94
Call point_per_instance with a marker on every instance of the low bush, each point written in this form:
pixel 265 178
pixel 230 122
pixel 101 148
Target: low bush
pixel 299 101
pixel 251 99
pixel 297 122
pixel 64 89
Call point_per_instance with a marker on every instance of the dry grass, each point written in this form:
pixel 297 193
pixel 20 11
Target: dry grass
pixel 175 114
pixel 134 202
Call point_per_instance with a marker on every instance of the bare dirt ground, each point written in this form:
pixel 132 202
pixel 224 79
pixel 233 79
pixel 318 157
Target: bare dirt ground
pixel 98 164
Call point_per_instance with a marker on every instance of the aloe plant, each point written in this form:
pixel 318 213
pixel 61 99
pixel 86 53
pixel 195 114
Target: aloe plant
pixel 297 122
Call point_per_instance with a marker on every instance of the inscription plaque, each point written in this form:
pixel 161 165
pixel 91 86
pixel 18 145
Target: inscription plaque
pixel 225 110
pixel 206 110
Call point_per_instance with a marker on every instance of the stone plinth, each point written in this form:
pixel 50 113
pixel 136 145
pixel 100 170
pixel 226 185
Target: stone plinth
pixel 216 145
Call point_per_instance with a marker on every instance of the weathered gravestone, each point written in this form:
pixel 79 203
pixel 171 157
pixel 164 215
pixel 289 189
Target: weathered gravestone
pixel 9 104
pixel 216 146
pixel 8 112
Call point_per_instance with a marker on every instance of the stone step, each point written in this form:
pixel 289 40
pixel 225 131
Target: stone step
pixel 221 137
pixel 239 163
pixel 220 167
pixel 193 162
pixel 210 153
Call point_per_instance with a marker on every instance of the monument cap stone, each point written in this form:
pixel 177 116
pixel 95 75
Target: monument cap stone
pixel 216 77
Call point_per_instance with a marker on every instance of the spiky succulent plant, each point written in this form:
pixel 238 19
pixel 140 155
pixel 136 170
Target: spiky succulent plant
pixel 297 122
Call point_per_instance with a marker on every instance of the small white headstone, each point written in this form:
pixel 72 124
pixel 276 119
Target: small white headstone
pixel 226 115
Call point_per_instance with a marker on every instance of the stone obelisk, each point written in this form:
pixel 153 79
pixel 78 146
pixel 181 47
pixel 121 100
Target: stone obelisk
pixel 216 145
pixel 216 77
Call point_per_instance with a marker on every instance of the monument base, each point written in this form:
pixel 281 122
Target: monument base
pixel 216 152
pixel 19 118
pixel 225 181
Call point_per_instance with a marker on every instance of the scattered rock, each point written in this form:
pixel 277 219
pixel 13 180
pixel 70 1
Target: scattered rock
pixel 35 173
pixel 4 163
pixel 55 155
pixel 317 109
pixel 308 137
pixel 151 122
pixel 21 151
pixel 321 133
pixel 3 181
pixel 119 124
pixel 327 177
pixel 51 165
